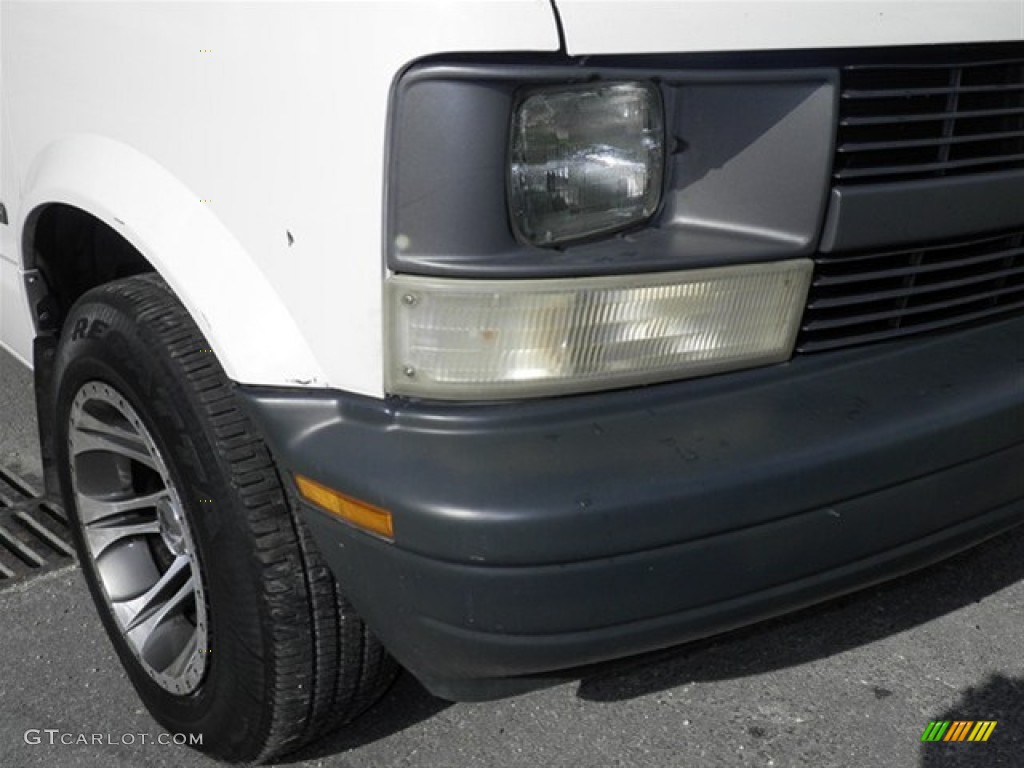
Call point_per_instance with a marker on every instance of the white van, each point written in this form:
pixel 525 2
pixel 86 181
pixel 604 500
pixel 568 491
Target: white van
pixel 491 339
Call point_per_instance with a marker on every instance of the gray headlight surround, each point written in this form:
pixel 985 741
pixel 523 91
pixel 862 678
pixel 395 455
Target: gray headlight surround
pixel 446 207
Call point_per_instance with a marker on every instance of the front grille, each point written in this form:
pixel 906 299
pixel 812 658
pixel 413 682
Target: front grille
pixel 857 298
pixel 921 121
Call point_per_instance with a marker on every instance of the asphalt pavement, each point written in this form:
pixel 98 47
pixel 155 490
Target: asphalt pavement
pixel 853 682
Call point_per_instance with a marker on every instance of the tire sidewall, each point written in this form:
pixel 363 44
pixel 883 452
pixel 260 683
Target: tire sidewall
pixel 106 342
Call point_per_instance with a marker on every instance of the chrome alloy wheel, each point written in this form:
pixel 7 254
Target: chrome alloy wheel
pixel 138 537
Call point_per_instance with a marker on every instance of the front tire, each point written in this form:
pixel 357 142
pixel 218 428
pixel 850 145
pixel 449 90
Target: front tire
pixel 225 618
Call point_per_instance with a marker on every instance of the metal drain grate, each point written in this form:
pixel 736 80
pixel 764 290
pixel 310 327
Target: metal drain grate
pixel 34 535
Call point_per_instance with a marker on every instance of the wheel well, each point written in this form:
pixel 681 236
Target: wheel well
pixel 73 252
pixel 70 252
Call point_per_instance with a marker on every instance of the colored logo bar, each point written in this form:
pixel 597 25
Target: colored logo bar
pixel 959 730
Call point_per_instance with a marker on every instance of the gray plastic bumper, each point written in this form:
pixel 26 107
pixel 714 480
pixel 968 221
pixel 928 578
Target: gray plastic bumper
pixel 536 536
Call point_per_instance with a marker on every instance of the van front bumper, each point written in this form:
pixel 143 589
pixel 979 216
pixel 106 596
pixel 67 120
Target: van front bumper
pixel 536 536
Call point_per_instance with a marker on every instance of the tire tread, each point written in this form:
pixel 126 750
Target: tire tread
pixel 325 667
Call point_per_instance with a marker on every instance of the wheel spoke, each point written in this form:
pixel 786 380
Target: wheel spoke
pixel 141 632
pixel 87 422
pixel 91 434
pixel 108 522
pixel 177 667
pixel 100 512
pixel 151 609
pixel 101 539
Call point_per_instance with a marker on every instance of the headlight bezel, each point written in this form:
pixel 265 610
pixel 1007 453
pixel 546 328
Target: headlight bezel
pixel 726 156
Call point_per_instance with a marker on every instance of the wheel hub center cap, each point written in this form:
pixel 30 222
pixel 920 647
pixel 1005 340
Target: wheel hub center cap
pixel 171 529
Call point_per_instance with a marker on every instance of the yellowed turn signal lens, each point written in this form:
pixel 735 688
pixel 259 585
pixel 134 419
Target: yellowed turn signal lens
pixel 359 513
pixel 462 339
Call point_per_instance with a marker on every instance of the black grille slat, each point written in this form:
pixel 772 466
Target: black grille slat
pixel 914 291
pixel 881 146
pixel 930 120
pixel 886 68
pixel 825 344
pixel 905 315
pixel 943 166
pixel 860 298
pixel 833 272
pixel 927 117
pixel 943 90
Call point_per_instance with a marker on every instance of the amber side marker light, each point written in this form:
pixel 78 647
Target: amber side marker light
pixel 358 513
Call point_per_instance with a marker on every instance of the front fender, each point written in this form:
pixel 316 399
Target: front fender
pixel 248 326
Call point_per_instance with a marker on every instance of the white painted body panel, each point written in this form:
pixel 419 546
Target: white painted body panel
pixel 15 324
pixel 275 113
pixel 241 145
pixel 658 26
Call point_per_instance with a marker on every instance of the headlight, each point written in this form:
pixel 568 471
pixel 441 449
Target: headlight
pixel 585 160
pixel 469 339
